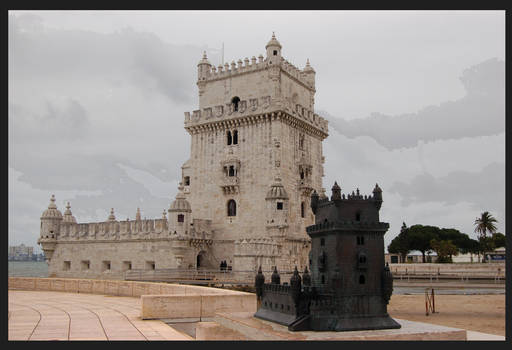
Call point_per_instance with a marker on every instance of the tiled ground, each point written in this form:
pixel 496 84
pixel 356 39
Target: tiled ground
pixel 42 315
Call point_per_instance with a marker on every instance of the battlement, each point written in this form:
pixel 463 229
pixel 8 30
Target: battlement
pixel 240 67
pixel 251 107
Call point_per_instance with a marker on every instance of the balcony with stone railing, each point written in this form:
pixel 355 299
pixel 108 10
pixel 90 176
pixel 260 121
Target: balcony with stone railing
pixel 230 184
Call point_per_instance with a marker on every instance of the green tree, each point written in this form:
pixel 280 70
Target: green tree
pixel 485 223
pixel 400 244
pixel 420 237
pixel 444 249
pixel 499 239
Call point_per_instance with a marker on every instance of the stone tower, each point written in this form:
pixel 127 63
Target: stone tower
pixel 256 157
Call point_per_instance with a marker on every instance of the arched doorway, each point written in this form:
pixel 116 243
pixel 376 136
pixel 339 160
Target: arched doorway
pixel 200 260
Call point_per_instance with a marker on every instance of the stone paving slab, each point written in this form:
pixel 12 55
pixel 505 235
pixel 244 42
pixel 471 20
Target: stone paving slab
pixel 47 315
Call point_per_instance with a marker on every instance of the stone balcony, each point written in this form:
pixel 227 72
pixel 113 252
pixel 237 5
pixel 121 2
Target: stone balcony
pixel 230 184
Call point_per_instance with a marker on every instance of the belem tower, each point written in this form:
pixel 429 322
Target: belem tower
pixel 244 197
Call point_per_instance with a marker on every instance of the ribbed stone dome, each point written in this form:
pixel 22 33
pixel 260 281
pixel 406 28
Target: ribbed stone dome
pixel 180 203
pixel 273 42
pixel 52 212
pixel 277 191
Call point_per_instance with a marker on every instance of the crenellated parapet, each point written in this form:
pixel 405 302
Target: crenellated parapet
pixel 211 73
pixel 114 230
pixel 252 110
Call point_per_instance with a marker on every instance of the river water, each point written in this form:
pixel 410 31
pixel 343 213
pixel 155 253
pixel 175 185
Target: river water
pixel 28 269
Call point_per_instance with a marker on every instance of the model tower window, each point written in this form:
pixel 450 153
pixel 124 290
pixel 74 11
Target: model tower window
pixel 231 208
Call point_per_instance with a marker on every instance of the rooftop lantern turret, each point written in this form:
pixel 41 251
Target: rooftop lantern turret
pixel 273 50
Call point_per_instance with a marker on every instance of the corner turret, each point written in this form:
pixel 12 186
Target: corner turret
pixel 50 228
pixel 203 68
pixel 180 213
pixel 310 74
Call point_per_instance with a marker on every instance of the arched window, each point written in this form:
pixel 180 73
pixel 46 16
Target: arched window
pixel 302 211
pixel 358 216
pixel 229 138
pixel 235 101
pixel 361 279
pixel 231 208
pixel 231 170
pixel 235 137
pixel 181 218
pixel 302 174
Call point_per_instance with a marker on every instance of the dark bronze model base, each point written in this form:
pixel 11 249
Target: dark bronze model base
pixel 328 323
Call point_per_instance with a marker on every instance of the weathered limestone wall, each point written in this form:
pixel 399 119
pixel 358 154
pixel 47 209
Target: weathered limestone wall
pixel 139 253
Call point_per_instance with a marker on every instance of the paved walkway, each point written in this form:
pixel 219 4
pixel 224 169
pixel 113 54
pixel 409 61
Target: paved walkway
pixel 43 315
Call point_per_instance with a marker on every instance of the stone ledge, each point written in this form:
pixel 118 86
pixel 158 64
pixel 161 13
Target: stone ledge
pixel 114 287
pixel 256 329
pixel 194 306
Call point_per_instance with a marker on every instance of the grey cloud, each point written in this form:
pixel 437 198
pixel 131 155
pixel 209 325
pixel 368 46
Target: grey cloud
pixel 59 121
pixel 484 189
pixel 126 56
pixel 481 112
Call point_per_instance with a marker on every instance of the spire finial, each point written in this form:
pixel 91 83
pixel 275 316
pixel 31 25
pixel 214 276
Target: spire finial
pixel 204 55
pixel 307 62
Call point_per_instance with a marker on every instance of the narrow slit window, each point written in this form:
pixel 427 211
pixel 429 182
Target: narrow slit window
pixel 235 137
pixel 230 139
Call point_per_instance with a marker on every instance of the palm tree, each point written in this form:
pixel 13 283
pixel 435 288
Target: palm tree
pixel 486 222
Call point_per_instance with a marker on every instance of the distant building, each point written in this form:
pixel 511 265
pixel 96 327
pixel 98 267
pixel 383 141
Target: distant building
pixel 20 252
pixel 413 257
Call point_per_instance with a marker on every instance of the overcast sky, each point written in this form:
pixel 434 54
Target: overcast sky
pixel 414 99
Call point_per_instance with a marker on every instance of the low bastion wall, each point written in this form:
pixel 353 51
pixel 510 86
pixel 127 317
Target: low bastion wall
pixel 159 300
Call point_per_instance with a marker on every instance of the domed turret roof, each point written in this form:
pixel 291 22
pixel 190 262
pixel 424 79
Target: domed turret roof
pixel 111 217
pixel 277 191
pixel 180 203
pixel 204 60
pixel 52 212
pixel 68 216
pixel 273 42
pixel 308 68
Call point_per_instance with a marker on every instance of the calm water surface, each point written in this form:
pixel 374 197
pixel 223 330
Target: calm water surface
pixel 28 268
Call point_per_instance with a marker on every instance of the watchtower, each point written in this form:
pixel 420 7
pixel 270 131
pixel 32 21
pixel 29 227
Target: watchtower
pixel 256 157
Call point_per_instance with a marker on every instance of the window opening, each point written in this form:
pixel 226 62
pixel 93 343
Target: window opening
pixel 322 241
pixel 361 279
pixel 302 211
pixel 231 170
pixel 187 180
pixel 275 52
pixel 231 208
pixel 181 218
pixel 229 138
pixel 279 205
pixel 235 137
pixel 235 101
